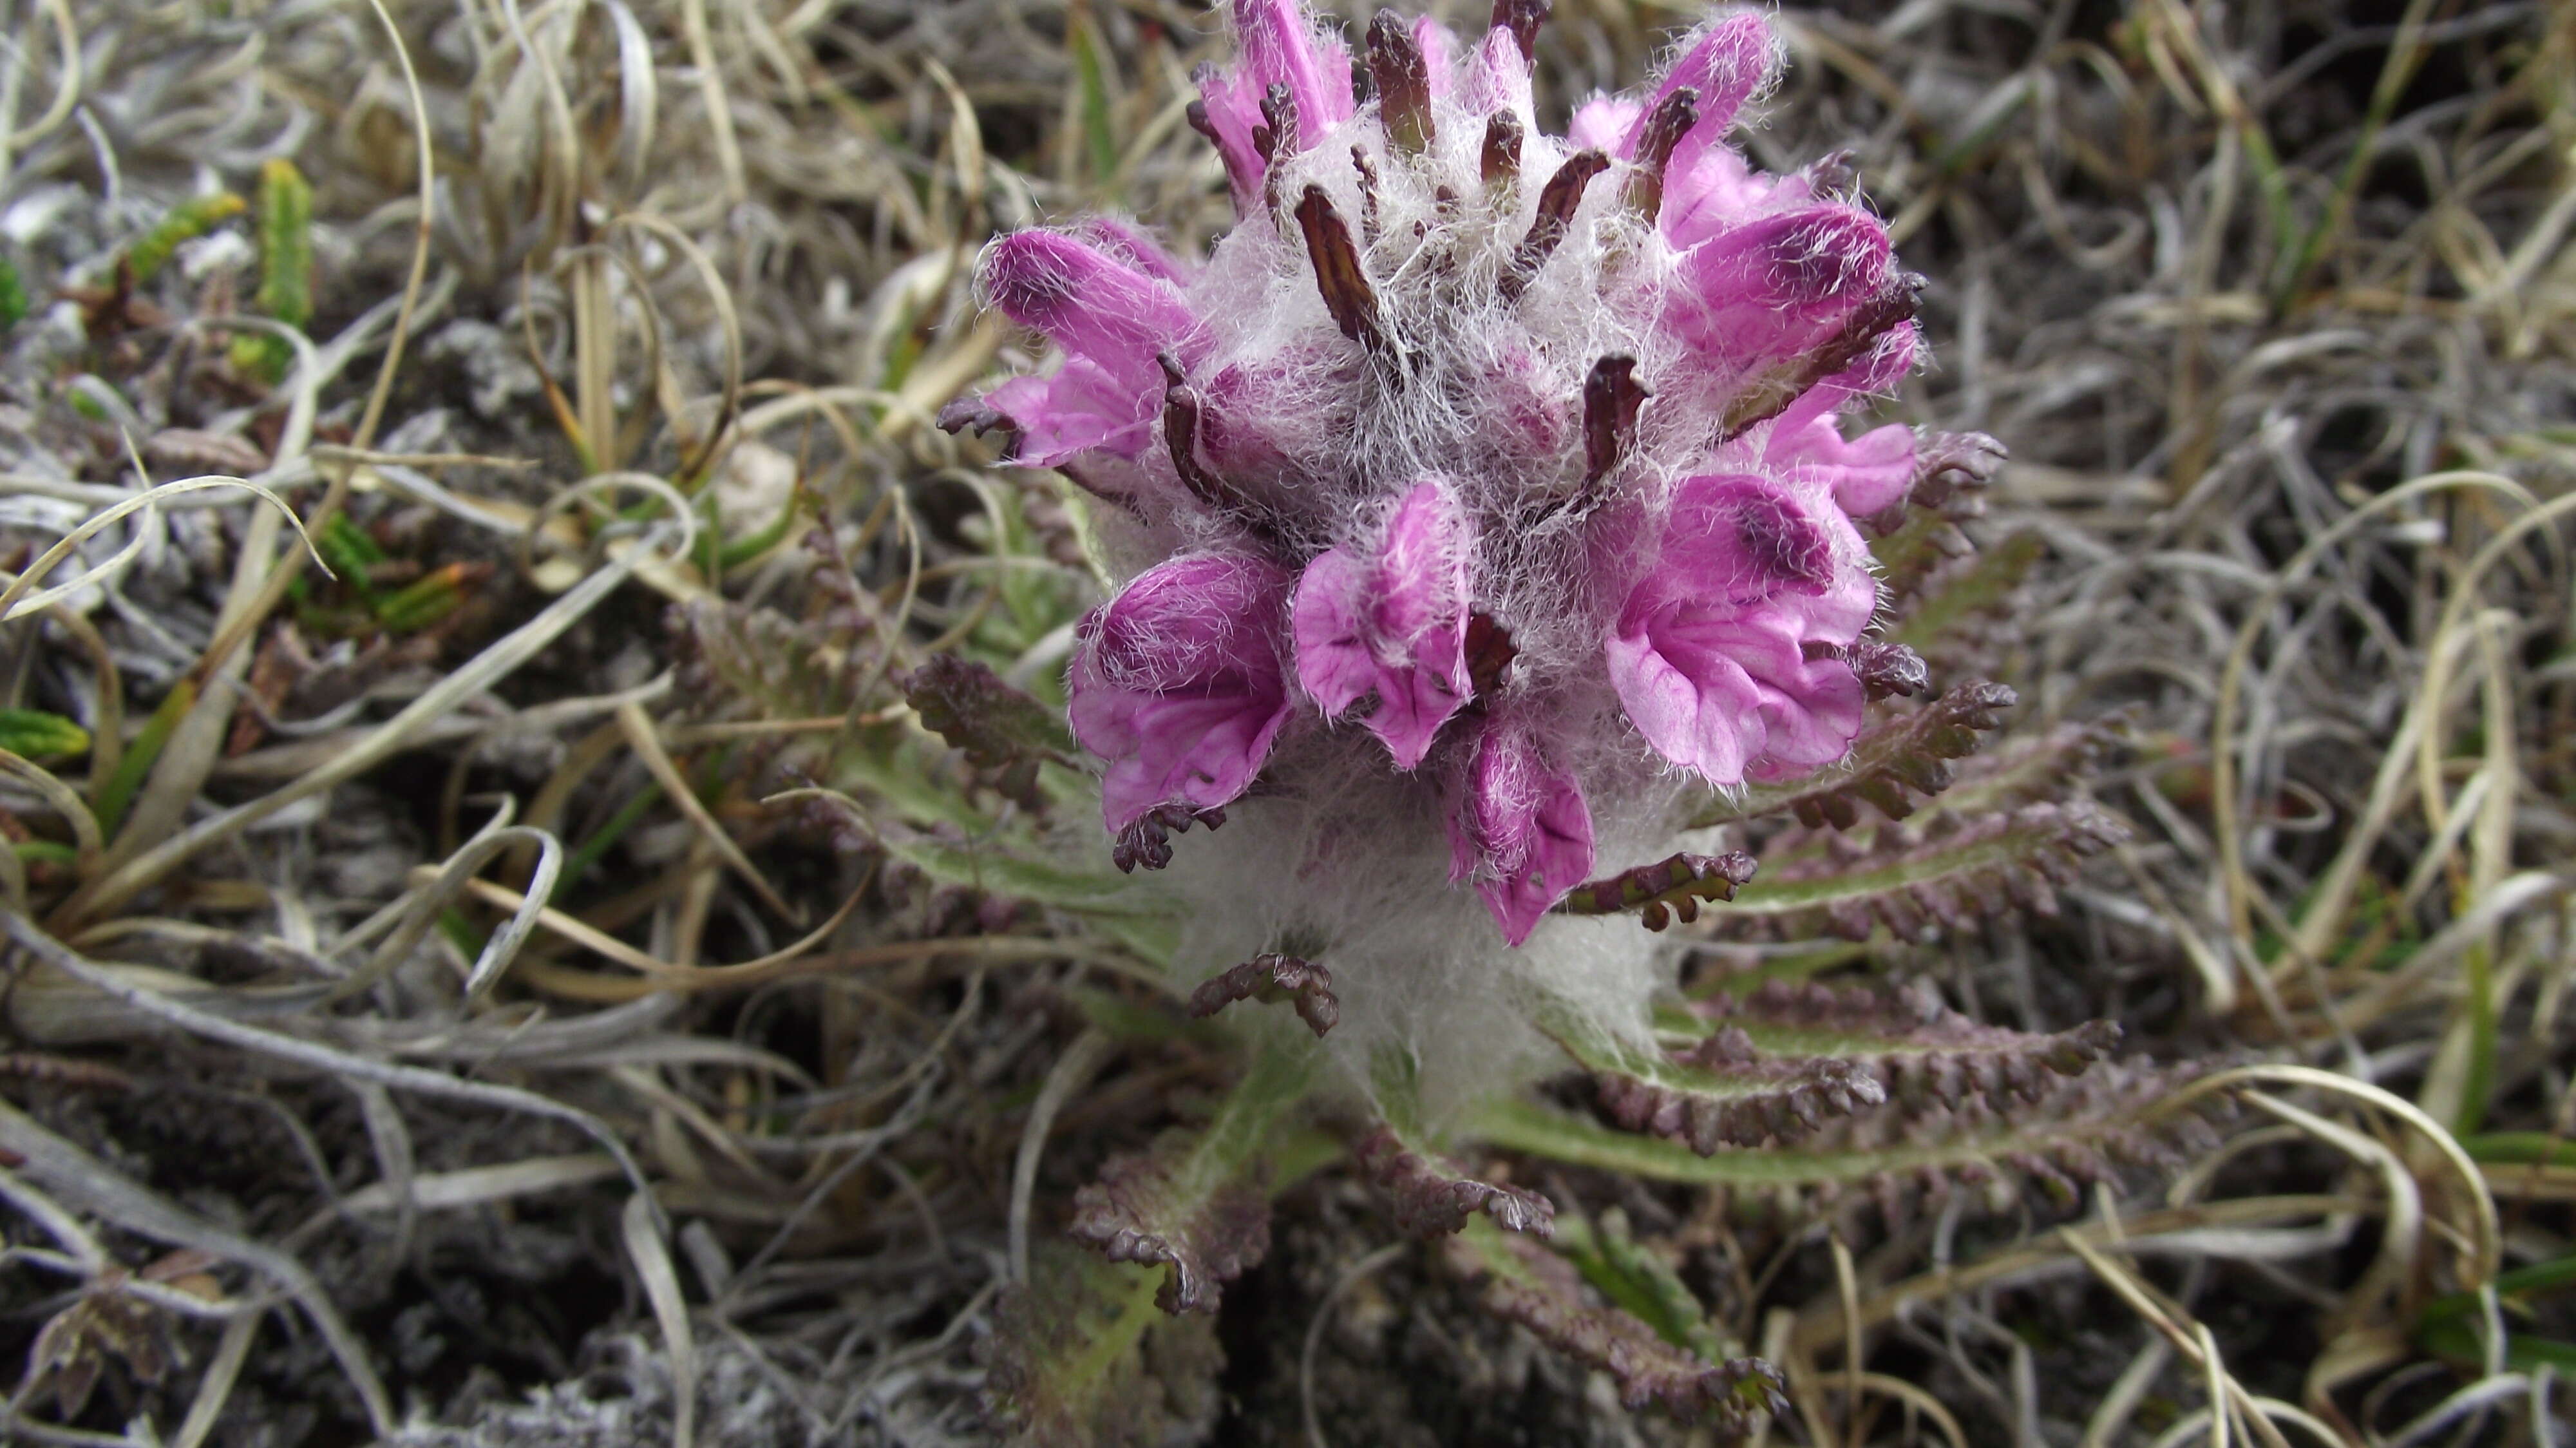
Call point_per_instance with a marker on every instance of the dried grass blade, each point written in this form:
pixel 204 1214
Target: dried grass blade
pixel 645 1243
pixel 498 660
pixel 640 736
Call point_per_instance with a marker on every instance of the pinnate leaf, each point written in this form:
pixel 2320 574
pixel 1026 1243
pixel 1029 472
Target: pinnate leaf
pixel 1669 887
pixel 1907 1040
pixel 1270 979
pixel 1949 875
pixel 1434 1196
pixel 1526 1283
pixel 1080 1358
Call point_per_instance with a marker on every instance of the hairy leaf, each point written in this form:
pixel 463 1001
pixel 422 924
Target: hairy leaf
pixel 1902 757
pixel 1003 731
pixel 1271 979
pixel 2078 1129
pixel 1434 1196
pixel 1080 1358
pixel 1526 1283
pixel 1907 1040
pixel 1669 887
pixel 1724 1092
pixel 1951 874
pixel 1196 1203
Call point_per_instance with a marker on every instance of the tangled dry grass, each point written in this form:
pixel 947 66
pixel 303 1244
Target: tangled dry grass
pixel 442 1010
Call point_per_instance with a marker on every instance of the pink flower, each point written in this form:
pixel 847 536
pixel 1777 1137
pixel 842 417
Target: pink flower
pixel 1522 832
pixel 1281 47
pixel 1709 658
pixel 1392 623
pixel 1433 442
pixel 1780 283
pixel 1178 685
pixel 1111 319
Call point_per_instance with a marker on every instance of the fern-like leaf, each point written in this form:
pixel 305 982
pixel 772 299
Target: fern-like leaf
pixel 1904 757
pixel 1723 1092
pixel 1911 1043
pixel 1195 1203
pixel 2077 1129
pixel 1526 1283
pixel 1002 730
pixel 1152 1208
pixel 1080 1358
pixel 1951 874
pixel 1270 979
pixel 1434 1196
pixel 1669 887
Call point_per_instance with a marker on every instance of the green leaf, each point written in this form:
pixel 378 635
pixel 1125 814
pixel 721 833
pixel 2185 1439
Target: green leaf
pixel 285 229
pixel 184 222
pixel 35 734
pixel 1434 1196
pixel 1951 596
pixel 1638 1279
pixel 1081 1358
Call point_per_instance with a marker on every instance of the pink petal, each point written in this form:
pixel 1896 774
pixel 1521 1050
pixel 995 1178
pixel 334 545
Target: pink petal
pixel 1869 473
pixel 1394 625
pixel 1726 60
pixel 1737 539
pixel 1780 283
pixel 1496 76
pixel 1281 45
pixel 1728 697
pixel 1076 409
pixel 1177 684
pixel 1439 54
pixel 1133 245
pixel 1522 831
pixel 1603 123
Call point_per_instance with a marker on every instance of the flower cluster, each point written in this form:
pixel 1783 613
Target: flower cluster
pixel 1479 474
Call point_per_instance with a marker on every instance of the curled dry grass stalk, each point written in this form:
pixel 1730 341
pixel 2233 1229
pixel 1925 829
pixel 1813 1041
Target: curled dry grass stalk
pixel 442 932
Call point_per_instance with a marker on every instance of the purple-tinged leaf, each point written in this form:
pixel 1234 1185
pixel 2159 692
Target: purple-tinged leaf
pixel 1725 1093
pixel 1270 979
pixel 1657 133
pixel 1669 887
pixel 1952 876
pixel 1526 1283
pixel 1401 75
pixel 1137 1212
pixel 1339 276
pixel 1913 1044
pixel 1500 163
pixel 1435 1197
pixel 1002 730
pixel 1521 19
pixel 1612 396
